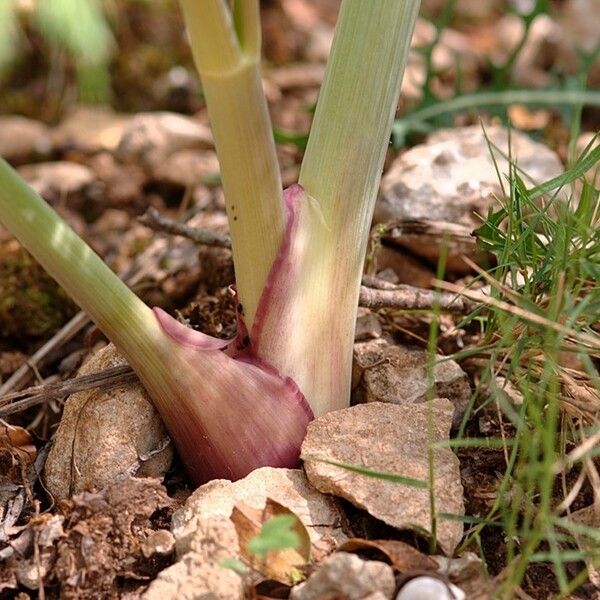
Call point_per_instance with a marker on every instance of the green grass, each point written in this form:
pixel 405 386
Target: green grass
pixel 565 92
pixel 538 333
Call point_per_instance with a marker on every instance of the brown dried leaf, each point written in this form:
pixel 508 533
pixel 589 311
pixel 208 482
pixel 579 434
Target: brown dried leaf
pixel 17 452
pixel 401 556
pixel 279 565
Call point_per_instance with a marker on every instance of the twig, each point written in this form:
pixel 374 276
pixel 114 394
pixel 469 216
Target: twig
pixel 589 341
pixel 106 379
pixel 63 335
pixel 157 222
pixel 377 293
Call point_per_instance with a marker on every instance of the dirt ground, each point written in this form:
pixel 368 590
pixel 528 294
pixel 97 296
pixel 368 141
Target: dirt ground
pixel 104 543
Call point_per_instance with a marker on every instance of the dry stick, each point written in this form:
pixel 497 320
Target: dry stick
pixel 408 297
pixel 590 341
pixel 157 222
pixel 131 276
pixel 375 293
pixel 106 379
pixel 66 333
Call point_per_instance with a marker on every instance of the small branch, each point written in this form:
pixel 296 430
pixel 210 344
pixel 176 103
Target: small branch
pixel 66 333
pixel 153 219
pixel 377 293
pixel 106 379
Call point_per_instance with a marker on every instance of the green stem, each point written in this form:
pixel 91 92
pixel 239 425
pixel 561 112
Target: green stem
pixel 117 311
pixel 341 172
pixel 229 68
pixel 350 132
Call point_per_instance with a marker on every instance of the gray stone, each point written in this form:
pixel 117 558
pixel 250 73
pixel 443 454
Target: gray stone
pixel 385 372
pixel 348 576
pixel 58 179
pixel 187 168
pixel 289 487
pixel 199 575
pixel 367 325
pixel 151 138
pixel 392 439
pixel 22 138
pixel 452 179
pixel 106 434
pixel 91 129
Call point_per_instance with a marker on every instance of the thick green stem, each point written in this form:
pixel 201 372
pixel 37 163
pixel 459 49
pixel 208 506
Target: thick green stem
pixel 341 173
pixel 118 312
pixel 230 72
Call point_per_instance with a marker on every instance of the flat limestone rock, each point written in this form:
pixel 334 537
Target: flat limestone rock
pixel 91 129
pixel 22 138
pixel 186 168
pixel 392 439
pixel 385 372
pixel 288 487
pixel 58 178
pixel 344 575
pixel 106 434
pixel 150 138
pixel 199 574
pixel 451 179
pixel 194 579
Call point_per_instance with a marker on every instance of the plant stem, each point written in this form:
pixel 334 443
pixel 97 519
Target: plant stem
pixel 230 72
pixel 78 269
pixel 340 174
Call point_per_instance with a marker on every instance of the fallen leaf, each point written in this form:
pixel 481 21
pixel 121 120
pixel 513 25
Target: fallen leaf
pixel 273 541
pixel 401 556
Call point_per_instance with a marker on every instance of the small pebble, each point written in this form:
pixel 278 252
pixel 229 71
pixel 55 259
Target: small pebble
pixel 430 588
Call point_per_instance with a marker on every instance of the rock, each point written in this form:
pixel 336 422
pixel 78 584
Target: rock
pixel 58 180
pixel 450 180
pixel 22 138
pixel 104 435
pixel 187 168
pixel 429 588
pixel 542 48
pixel 468 573
pixel 123 183
pixel 406 268
pixel 151 138
pixel 391 439
pixel 161 542
pixel 194 579
pixel 367 325
pixel 347 576
pixel 90 129
pixel 205 535
pixel 199 573
pixel 384 372
pixel 583 141
pixel 289 487
pixel 580 20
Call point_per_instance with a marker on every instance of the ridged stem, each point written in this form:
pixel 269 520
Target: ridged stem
pixel 118 312
pixel 229 68
pixel 341 173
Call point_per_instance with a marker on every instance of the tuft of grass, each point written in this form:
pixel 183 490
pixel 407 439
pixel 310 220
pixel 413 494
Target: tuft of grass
pixel 540 330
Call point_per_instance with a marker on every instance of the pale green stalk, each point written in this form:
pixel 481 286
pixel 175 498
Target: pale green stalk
pixel 116 310
pixel 341 173
pixel 228 60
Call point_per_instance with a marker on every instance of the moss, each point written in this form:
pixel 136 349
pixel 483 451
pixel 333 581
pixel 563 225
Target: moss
pixel 32 305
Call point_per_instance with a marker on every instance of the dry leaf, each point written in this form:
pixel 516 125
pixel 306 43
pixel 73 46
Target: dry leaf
pixel 281 565
pixel 402 557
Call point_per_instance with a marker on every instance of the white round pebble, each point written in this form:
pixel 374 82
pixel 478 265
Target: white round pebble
pixel 429 588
